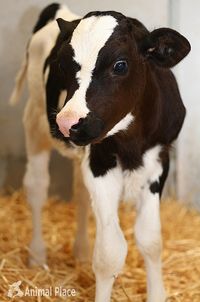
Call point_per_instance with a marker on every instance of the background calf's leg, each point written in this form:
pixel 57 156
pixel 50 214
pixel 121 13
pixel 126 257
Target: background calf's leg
pixel 36 179
pixel 81 197
pixel 36 182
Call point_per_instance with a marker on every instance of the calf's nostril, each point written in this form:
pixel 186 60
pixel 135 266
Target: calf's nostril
pixel 81 120
pixel 76 126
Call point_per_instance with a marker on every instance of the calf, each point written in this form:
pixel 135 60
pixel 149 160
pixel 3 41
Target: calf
pixel 101 92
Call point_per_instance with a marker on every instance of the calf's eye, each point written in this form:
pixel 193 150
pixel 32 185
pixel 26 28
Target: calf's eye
pixel 120 67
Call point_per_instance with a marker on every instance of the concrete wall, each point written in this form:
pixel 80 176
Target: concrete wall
pixel 16 21
pixel 185 18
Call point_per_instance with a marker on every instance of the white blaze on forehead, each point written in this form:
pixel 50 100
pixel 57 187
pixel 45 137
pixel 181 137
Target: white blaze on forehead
pixel 88 38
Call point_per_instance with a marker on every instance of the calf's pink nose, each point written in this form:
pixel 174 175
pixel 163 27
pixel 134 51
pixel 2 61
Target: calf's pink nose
pixel 65 121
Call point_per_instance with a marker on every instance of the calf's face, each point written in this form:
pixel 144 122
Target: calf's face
pixel 103 63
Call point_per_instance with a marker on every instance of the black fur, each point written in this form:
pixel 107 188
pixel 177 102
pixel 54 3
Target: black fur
pixel 155 187
pixel 86 130
pixel 46 15
pixel 165 46
pixel 165 164
pixel 103 157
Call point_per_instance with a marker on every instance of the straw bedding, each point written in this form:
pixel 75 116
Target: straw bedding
pixel 181 253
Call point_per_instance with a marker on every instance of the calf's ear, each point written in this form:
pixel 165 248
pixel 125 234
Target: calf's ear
pixel 165 47
pixel 67 27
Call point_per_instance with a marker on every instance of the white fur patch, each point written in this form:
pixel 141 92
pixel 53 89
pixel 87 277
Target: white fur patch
pixel 138 179
pixel 110 185
pixel 121 125
pixel 88 38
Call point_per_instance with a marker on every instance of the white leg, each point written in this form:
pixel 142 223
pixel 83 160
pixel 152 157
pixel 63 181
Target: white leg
pixel 81 197
pixel 36 182
pixel 110 246
pixel 148 238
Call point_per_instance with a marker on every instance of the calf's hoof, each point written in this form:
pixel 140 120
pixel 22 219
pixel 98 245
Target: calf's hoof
pixel 37 255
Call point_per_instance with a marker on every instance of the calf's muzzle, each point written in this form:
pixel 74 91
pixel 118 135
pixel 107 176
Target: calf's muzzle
pixel 80 130
pixel 65 121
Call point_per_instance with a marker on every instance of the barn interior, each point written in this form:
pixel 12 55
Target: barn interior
pixel 180 205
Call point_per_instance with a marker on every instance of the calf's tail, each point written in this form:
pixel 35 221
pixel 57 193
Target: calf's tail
pixel 48 14
pixel 19 82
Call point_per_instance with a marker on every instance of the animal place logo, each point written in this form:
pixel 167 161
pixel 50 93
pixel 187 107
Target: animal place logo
pixel 57 291
pixel 14 290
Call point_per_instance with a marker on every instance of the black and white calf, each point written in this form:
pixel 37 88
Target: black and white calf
pixel 101 92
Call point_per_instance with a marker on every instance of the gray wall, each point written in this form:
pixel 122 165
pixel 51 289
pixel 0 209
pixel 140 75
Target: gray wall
pixel 185 18
pixel 16 21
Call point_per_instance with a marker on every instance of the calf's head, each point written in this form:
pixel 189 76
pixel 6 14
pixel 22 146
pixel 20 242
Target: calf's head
pixel 103 60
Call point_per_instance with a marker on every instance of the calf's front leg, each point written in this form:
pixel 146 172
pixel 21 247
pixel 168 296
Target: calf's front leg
pixel 110 246
pixel 148 239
